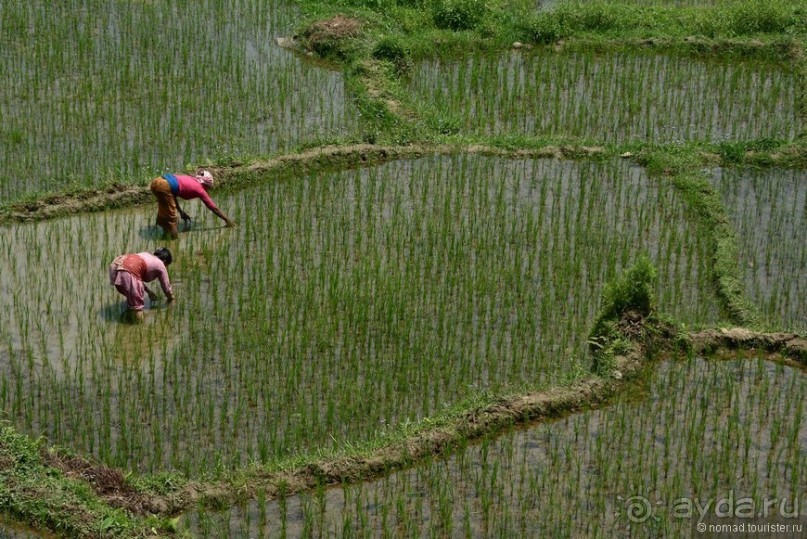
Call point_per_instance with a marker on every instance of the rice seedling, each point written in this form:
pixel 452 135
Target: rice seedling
pixel 710 431
pixel 109 90
pixel 769 210
pixel 615 97
pixel 346 304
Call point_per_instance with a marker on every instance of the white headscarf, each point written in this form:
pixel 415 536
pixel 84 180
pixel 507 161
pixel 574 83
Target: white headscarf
pixel 205 178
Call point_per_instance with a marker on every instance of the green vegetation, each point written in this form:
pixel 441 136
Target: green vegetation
pixel 632 292
pixel 425 228
pixel 623 96
pixel 34 491
pixel 770 21
pixel 627 301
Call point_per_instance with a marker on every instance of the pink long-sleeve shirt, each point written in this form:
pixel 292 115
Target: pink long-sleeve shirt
pixel 144 266
pixel 190 188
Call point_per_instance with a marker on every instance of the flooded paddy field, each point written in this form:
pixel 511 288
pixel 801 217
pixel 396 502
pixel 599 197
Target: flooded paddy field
pixel 769 211
pixel 341 306
pixel 114 90
pixel 613 97
pixel 717 432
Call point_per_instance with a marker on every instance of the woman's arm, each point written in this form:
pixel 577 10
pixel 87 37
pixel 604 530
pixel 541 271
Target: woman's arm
pixel 223 217
pixel 185 217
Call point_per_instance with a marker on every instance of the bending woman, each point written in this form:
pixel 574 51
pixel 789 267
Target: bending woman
pixel 129 274
pixel 169 188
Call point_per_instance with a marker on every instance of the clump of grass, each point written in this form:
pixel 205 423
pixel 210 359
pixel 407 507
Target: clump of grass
pixel 633 291
pixel 632 295
pixel 332 38
pixel 393 50
pixel 459 14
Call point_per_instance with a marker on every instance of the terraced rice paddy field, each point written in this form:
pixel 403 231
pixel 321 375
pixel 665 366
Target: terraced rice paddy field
pixel 648 97
pixel 768 208
pixel 429 225
pixel 578 476
pixel 460 252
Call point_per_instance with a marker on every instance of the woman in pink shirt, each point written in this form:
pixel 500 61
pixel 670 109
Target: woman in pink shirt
pixel 169 188
pixel 129 273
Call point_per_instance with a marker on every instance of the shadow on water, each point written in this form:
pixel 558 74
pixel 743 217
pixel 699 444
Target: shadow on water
pixel 135 340
pixel 115 312
pixel 152 233
pixel 119 313
pixel 196 228
pixel 155 233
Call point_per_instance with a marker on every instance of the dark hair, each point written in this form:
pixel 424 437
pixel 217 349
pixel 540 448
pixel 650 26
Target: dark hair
pixel 164 254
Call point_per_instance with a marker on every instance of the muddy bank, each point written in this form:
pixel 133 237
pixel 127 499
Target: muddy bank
pixel 429 443
pixel 109 483
pixel 790 345
pixel 240 175
pixel 116 196
pixel 444 437
pixel 528 479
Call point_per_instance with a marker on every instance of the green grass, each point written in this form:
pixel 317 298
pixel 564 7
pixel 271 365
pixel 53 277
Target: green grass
pixel 633 18
pixel 32 491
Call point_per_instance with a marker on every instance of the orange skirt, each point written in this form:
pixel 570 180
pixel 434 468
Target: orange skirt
pixel 167 216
